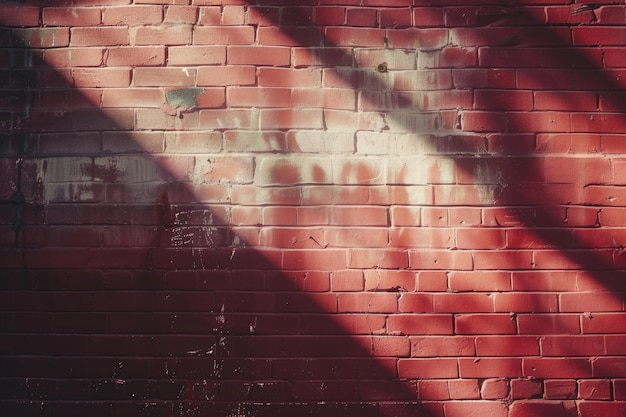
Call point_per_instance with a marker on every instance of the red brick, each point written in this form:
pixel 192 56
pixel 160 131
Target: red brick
pixel 346 36
pixel 196 55
pixel 525 389
pixel 135 56
pixel 226 75
pixel 503 100
pixel 558 368
pixel 480 281
pixel 559 389
pixel 463 389
pixel 483 78
pixel 494 389
pixel 158 77
pixel 507 346
pixel 40 38
pixel 572 346
pixel 71 16
pixel 601 408
pixel 383 280
pixel 161 35
pixel 370 303
pixel 181 14
pixel 420 324
pixel 439 259
pixel 548 324
pixel 419 39
pixel 99 36
pixel 427 368
pixel 261 56
pixel 395 18
pixel 608 366
pixel 470 408
pixel 223 35
pixel 484 324
pixel 463 303
pixel 437 346
pixel 347 281
pixel 545 408
pixel 480 238
pixel 406 237
pixel 490 367
pixel 594 389
pixel 132 15
pixel 293 36
pixel 433 390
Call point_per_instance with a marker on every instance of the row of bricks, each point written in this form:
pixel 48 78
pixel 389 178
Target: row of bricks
pixel 313 369
pixel 148 119
pixel 237 97
pixel 397 240
pixel 581 58
pixel 455 389
pixel 301 142
pixel 316 323
pixel 587 282
pixel 413 38
pixel 285 14
pixel 222 344
pixel 330 259
pixel 498 312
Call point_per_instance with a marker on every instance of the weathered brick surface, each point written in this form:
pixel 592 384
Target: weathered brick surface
pixel 325 208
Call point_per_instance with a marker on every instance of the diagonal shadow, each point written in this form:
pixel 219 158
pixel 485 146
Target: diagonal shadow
pixel 212 257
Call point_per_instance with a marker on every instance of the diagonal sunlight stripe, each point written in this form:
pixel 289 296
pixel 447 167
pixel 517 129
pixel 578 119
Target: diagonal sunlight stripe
pixel 592 262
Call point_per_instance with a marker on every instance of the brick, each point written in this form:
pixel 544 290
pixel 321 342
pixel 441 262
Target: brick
pixel 420 39
pixel 503 100
pixel 181 14
pixel 552 408
pixel 353 36
pixel 559 389
pixel 608 366
pixel 71 16
pixel 475 408
pixel 135 56
pixel 262 55
pixel 490 367
pixel 427 368
pixel 604 408
pixel 406 237
pixel 572 346
pixel 557 368
pixel 440 260
pixel 291 119
pixel 438 346
pixel 480 281
pixel 435 324
pixel 494 389
pixel 464 389
pixel 593 389
pixel 378 258
pixel 484 324
pixel 99 36
pixel 158 77
pixel 196 55
pixel 289 36
pixel 132 15
pixel 223 35
pixel 161 35
pixel 526 389
pixel 548 324
pixel 370 303
pixel 603 323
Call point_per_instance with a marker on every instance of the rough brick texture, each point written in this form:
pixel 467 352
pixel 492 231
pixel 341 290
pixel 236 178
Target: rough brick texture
pixel 314 207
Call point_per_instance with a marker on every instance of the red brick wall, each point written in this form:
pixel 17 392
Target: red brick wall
pixel 313 207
